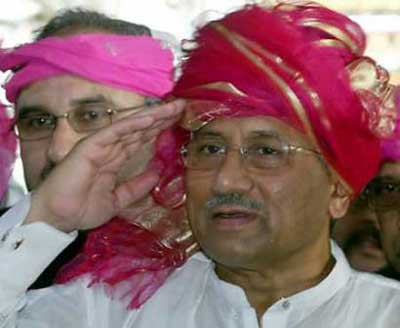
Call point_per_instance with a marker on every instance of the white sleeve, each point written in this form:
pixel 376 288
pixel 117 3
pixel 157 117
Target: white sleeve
pixel 74 305
pixel 25 251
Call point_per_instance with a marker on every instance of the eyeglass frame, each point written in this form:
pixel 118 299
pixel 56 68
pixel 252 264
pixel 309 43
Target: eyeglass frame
pixel 243 151
pixel 109 111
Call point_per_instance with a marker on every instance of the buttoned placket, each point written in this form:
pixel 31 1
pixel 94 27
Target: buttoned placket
pixel 278 314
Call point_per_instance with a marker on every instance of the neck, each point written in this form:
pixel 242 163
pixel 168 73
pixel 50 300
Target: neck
pixel 274 281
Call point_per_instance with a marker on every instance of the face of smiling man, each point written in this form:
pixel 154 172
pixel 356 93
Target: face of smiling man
pixel 264 207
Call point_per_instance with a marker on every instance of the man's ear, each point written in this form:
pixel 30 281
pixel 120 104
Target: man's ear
pixel 340 201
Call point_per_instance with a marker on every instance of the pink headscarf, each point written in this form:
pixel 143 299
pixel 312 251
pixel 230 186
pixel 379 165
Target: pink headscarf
pixel 303 64
pixel 8 143
pixel 133 63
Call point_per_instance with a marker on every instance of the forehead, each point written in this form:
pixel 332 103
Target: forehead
pixel 390 169
pixel 239 128
pixel 62 91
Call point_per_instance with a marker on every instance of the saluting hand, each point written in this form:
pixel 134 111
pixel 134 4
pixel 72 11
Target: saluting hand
pixel 83 191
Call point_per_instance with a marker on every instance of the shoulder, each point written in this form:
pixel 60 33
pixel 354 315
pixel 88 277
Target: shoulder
pixel 366 300
pixel 375 282
pixel 186 284
pixel 374 292
pixel 75 304
pixel 194 271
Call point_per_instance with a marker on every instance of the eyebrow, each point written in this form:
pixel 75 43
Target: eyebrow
pixel 264 133
pixel 388 178
pixel 28 109
pixel 252 134
pixel 203 134
pixel 99 99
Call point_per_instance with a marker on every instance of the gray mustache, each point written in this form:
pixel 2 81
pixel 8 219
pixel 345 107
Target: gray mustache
pixel 233 199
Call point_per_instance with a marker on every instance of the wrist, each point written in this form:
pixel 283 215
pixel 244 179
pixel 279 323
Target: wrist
pixel 39 212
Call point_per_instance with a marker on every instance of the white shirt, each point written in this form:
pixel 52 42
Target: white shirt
pixel 193 296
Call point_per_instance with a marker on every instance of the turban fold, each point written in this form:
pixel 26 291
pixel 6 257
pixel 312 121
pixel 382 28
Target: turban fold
pixel 132 63
pixel 300 63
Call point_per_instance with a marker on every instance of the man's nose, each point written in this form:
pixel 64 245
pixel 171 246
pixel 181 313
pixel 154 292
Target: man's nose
pixel 64 138
pixel 232 176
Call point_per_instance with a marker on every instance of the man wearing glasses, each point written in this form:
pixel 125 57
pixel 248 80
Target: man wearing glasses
pixel 84 72
pixel 274 142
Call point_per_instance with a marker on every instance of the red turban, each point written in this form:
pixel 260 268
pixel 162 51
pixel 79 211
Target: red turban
pixel 302 64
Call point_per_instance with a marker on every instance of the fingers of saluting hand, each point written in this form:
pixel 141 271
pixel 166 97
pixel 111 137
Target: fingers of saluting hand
pixel 163 111
pixel 134 189
pixel 144 125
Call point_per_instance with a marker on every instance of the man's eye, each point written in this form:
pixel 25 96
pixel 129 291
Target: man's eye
pixel 37 122
pixel 90 115
pixel 264 150
pixel 208 149
pixel 390 187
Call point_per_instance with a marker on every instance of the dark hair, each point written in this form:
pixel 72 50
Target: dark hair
pixel 78 18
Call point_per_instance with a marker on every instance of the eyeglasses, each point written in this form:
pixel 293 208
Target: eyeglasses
pixel 384 194
pixel 263 153
pixel 83 119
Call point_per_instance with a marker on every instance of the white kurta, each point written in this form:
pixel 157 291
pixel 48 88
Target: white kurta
pixel 192 297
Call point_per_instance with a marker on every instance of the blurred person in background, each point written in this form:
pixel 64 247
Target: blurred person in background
pixel 385 199
pixel 357 233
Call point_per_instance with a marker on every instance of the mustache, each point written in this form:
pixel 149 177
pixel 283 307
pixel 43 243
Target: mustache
pixel 358 236
pixel 233 199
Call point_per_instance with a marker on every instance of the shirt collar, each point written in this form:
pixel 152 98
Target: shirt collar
pixel 307 301
pixel 303 303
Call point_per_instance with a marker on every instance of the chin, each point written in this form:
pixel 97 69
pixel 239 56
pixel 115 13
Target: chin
pixel 230 255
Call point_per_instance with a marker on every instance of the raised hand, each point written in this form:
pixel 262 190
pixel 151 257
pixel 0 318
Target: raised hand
pixel 83 191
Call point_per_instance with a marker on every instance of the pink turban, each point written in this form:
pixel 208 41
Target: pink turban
pixel 133 63
pixel 302 64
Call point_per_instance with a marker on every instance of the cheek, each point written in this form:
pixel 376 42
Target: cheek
pixel 34 159
pixel 390 233
pixel 296 203
pixel 311 192
pixel 198 191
